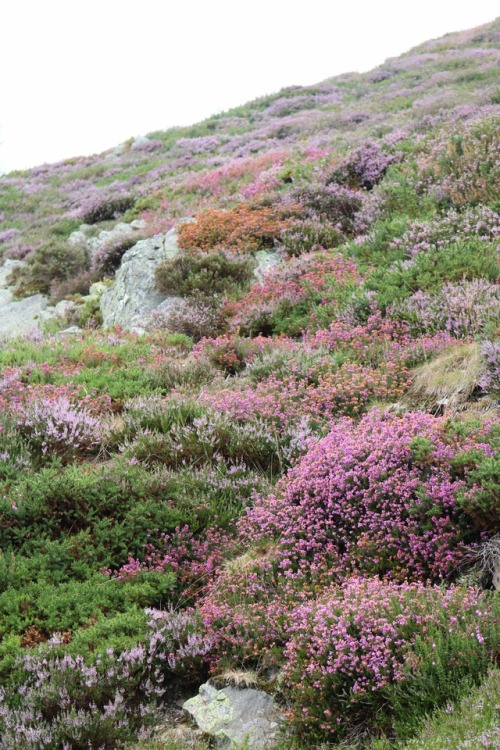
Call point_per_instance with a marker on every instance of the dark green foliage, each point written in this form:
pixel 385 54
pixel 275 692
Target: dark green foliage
pixel 194 272
pixel 53 262
pixel 430 270
pixel 106 208
pixel 107 513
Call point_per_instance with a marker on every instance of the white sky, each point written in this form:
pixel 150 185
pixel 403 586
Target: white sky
pixel 80 77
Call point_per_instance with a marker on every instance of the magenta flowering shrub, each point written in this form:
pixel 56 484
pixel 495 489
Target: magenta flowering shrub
pixel 348 648
pixel 196 316
pixel 311 278
pixel 195 560
pixel 333 393
pixel 378 498
pixel 107 257
pixel 366 342
pixel 335 203
pixel 8 234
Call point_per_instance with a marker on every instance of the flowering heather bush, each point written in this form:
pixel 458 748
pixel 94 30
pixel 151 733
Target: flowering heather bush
pixel 68 704
pixel 107 257
pixel 101 208
pixel 454 226
pixel 463 168
pixel 212 437
pixel 309 280
pixel 335 203
pixel 230 353
pixel 227 179
pixel 490 352
pixel 57 426
pixel 325 393
pixel 245 227
pixel 196 560
pixel 196 316
pixel 8 234
pixel 464 309
pixel 378 498
pixel 309 234
pixel 364 167
pixel 367 342
pixel 351 650
pixel 147 145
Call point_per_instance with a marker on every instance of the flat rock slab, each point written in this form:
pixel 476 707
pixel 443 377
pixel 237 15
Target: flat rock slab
pixel 236 717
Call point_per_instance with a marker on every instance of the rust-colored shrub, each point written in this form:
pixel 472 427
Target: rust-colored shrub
pixel 243 227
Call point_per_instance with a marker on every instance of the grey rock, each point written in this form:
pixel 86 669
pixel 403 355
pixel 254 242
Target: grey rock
pixel 97 289
pixel 235 716
pixel 20 316
pixel 77 238
pixel 6 270
pixel 266 260
pixel 64 308
pixel 6 296
pixel 139 141
pixel 85 234
pixel 133 293
pixel 71 331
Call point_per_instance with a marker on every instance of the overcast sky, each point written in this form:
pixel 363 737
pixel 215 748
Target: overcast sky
pixel 80 77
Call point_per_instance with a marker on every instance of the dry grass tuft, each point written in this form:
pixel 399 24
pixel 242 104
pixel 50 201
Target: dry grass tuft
pixel 449 381
pixel 238 678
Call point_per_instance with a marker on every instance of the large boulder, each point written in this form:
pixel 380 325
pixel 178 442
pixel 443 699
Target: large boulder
pixel 133 294
pixel 236 717
pixel 21 316
pixel 18 317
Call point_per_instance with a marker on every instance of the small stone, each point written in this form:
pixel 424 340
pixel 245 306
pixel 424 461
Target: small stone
pixel 235 716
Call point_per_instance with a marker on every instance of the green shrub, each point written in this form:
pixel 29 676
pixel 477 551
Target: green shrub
pixel 429 271
pixel 108 513
pixel 105 208
pixel 55 261
pixel 193 272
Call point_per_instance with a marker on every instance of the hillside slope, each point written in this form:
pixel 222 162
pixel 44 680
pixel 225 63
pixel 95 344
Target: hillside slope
pixel 285 474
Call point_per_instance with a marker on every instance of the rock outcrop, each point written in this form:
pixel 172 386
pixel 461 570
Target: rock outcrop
pixel 20 316
pixel 133 294
pixel 236 717
pixel 84 234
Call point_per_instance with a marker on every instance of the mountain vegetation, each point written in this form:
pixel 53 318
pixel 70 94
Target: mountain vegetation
pixel 292 476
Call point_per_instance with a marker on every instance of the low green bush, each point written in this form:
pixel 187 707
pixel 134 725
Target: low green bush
pixel 194 272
